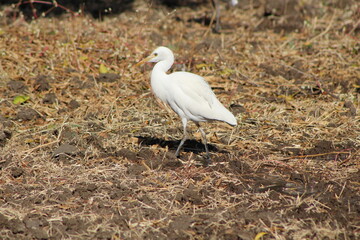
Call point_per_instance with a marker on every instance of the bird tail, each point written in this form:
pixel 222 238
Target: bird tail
pixel 225 115
pixel 229 118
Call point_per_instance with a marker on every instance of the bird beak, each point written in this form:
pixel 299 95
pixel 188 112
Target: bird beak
pixel 144 60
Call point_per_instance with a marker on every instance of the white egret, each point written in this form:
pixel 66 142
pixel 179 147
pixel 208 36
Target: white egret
pixel 188 94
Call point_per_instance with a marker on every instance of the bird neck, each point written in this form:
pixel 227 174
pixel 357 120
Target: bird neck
pixel 158 74
pixel 164 65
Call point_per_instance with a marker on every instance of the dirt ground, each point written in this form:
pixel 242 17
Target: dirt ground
pixel 86 152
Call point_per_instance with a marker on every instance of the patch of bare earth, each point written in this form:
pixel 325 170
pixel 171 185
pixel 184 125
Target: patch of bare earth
pixel 90 155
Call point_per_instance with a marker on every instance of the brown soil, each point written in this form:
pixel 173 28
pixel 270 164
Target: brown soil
pixel 90 154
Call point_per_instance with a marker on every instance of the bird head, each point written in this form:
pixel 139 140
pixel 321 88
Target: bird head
pixel 159 54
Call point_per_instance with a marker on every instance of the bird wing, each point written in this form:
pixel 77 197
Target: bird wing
pixel 195 87
pixel 193 96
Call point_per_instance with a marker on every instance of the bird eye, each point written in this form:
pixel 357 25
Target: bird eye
pixel 155 54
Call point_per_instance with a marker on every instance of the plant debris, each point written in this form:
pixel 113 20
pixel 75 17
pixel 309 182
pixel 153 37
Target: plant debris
pixel 90 153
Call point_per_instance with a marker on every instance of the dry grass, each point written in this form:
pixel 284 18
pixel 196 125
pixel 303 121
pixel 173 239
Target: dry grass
pixel 290 168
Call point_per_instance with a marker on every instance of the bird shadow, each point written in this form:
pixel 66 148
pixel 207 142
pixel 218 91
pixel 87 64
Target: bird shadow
pixel 190 145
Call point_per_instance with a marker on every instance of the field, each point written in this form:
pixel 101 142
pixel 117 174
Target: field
pixel 86 151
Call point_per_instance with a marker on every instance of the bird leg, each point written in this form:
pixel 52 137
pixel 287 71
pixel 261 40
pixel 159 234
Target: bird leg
pixel 216 4
pixel 177 153
pixel 203 134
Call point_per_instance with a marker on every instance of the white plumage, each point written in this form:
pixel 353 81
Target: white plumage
pixel 188 94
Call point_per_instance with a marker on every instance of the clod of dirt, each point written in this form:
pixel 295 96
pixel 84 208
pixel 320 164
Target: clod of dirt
pixel 16 172
pixel 126 153
pixel 322 146
pixel 5 122
pixel 61 194
pixel 73 104
pixel 66 149
pixel 145 154
pixel 101 234
pixel 95 127
pixel 74 225
pixel 49 98
pixel 155 161
pixel 41 83
pixel 83 84
pixel 3 220
pixel 268 182
pixel 17 86
pixel 238 189
pixel 145 199
pixel 39 233
pixel 4 136
pixel 291 150
pixel 85 191
pixel 181 223
pixel 67 135
pixel 352 109
pixel 135 169
pixel 239 167
pixel 27 114
pixel 35 224
pixel 95 141
pixel 16 226
pixel 107 77
pixel 236 109
pixel 171 162
pixel 160 162
pixel 119 191
pixel 190 195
